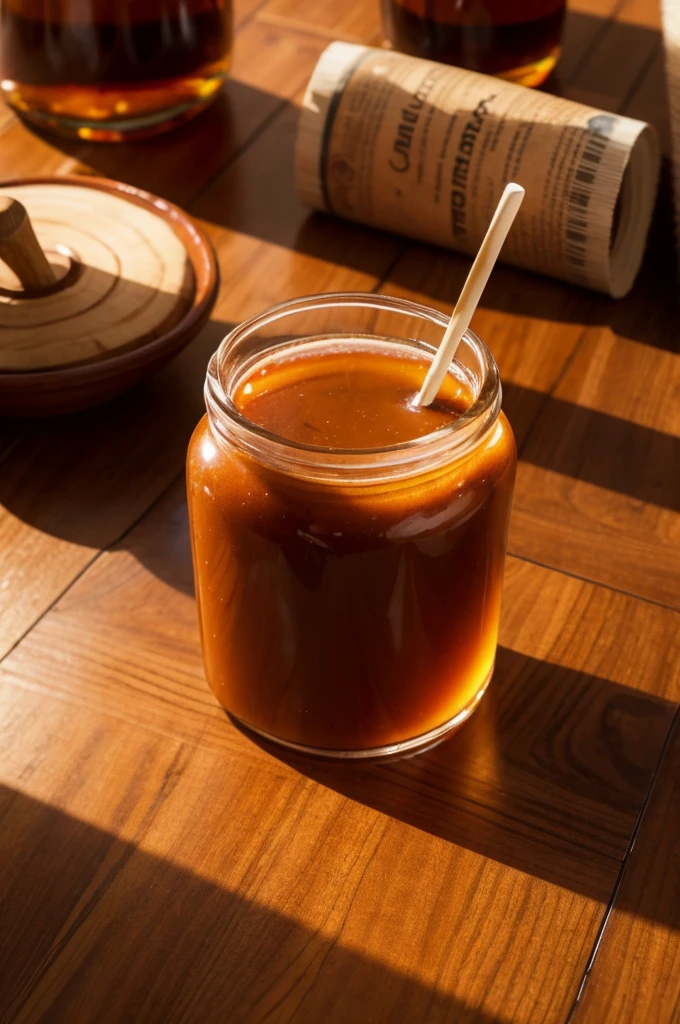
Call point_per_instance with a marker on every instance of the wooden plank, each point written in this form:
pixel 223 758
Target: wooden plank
pixel 649 102
pixel 613 509
pixel 622 55
pixel 595 495
pixel 597 8
pixel 24 154
pixel 271 65
pixel 247 894
pixel 272 245
pixel 243 10
pixel 73 486
pixel 584 529
pixel 123 641
pixel 7 117
pixel 585 25
pixel 581 32
pixel 640 12
pixel 352 20
pixel 636 973
pixel 562 738
pixel 103 771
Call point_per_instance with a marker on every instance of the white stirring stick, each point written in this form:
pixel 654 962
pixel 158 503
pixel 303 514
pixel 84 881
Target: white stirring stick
pixel 506 211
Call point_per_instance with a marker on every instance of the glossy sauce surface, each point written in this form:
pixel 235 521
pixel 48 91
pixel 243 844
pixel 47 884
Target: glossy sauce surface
pixel 348 616
pixel 348 399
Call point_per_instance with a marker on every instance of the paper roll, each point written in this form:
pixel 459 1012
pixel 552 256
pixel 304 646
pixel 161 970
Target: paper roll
pixel 425 149
pixel 670 20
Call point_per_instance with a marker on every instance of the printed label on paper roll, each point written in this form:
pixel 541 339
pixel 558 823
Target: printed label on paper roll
pixel 425 150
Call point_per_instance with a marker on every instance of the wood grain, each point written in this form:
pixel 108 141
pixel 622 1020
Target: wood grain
pixel 563 738
pixel 135 281
pixel 7 117
pixel 270 66
pixel 606 81
pixel 595 492
pixel 151 430
pixel 505 788
pixel 355 21
pixel 161 866
pixel 307 930
pixel 71 388
pixel 244 11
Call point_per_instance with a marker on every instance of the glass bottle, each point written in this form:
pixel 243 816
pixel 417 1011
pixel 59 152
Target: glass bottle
pixel 112 69
pixel 514 39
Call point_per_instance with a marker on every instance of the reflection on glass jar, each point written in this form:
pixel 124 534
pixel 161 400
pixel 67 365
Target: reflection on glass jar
pixel 348 550
pixel 111 69
pixel 515 39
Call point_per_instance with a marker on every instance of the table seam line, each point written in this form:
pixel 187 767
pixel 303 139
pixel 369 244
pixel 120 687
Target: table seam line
pixel 551 392
pixel 320 32
pixel 608 22
pixel 573 1010
pixel 657 51
pixel 173 482
pixel 81 572
pixel 593 582
pixel 238 152
pixel 251 16
pixel 194 744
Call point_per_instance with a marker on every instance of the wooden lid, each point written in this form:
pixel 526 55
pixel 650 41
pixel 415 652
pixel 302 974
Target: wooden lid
pixel 123 277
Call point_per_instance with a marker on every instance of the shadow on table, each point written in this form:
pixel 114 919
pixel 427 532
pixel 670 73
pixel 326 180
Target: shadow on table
pixel 548 776
pixel 89 477
pixel 256 196
pixel 90 921
pixel 86 478
pixel 166 164
pixel 78 478
pixel 610 452
pixel 646 315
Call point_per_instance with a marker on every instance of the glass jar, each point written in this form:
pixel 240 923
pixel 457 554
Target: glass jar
pixel 514 39
pixel 106 70
pixel 349 600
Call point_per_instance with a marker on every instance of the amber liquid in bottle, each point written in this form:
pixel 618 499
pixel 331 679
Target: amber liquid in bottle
pixel 110 69
pixel 341 617
pixel 514 39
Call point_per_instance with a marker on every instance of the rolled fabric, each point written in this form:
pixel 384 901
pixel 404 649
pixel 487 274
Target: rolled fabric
pixel 425 150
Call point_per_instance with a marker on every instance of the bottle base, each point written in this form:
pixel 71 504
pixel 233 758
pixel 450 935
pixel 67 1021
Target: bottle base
pixel 534 73
pixel 113 114
pixel 410 747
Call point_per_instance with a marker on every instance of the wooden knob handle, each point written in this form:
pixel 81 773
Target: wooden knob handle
pixel 20 249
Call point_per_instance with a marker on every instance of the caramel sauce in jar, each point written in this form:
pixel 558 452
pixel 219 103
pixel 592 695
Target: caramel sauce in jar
pixel 348 548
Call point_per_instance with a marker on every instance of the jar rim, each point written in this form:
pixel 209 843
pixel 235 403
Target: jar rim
pixel 450 437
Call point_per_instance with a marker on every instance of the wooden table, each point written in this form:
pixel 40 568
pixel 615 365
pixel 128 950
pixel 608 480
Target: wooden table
pixel 156 865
